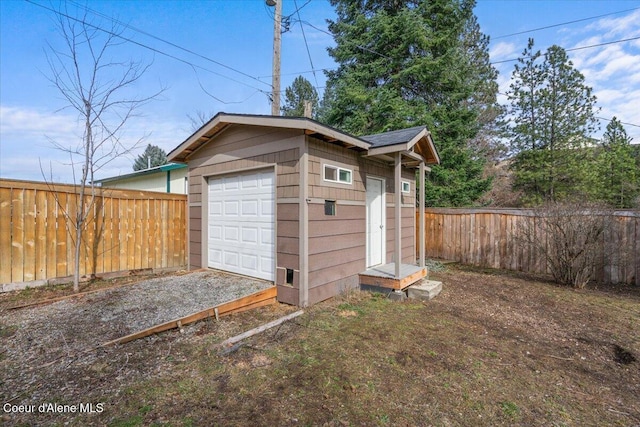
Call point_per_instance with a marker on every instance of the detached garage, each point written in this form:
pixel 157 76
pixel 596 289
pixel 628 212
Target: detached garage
pixel 304 205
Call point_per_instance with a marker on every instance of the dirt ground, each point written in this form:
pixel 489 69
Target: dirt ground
pixel 494 348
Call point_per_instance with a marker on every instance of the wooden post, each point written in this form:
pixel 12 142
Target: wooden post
pixel 277 43
pixel 398 213
pixel 421 229
pixel 303 223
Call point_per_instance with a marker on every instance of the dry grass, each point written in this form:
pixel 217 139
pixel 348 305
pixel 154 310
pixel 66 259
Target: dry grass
pixel 492 349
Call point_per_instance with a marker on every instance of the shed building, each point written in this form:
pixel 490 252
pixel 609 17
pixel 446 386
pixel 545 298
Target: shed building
pixel 311 208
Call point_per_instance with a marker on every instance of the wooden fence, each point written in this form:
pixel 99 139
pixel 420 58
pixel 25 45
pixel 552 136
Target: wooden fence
pixel 488 238
pixel 128 230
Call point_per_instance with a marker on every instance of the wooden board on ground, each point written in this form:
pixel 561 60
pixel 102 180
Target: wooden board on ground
pixel 258 299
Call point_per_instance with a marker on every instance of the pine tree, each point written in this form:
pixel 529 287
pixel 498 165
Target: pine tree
pixel 153 156
pixel 618 177
pixel 406 63
pixel 552 114
pixel 295 96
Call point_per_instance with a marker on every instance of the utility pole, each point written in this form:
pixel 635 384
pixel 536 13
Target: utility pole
pixel 277 41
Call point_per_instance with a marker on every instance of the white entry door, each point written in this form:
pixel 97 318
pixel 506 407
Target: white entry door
pixel 241 224
pixel 375 222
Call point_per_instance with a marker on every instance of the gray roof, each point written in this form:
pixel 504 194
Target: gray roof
pixel 393 137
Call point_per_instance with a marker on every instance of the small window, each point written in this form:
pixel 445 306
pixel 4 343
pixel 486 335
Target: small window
pixel 330 207
pixel 337 174
pixel 406 187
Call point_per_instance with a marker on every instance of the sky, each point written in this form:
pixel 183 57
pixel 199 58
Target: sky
pixel 214 55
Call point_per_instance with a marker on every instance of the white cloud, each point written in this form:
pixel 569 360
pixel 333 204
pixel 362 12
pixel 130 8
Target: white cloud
pixel 32 123
pixel 26 136
pixel 626 26
pixel 503 50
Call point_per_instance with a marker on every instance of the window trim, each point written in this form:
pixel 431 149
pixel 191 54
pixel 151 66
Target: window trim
pixel 338 169
pixel 408 191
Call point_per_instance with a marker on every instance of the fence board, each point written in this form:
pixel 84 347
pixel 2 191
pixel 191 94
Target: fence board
pixel 17 234
pixel 40 261
pixel 5 235
pixel 126 230
pixel 487 238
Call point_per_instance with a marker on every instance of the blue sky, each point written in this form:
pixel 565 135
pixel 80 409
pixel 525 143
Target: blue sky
pixel 238 34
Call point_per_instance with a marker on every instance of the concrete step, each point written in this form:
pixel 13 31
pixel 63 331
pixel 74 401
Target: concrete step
pixel 424 289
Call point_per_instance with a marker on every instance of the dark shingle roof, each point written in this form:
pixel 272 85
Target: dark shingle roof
pixel 394 137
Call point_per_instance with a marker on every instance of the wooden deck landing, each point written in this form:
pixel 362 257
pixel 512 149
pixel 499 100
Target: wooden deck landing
pixel 384 276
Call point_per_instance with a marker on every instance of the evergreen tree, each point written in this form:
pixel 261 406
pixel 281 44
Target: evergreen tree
pixel 157 156
pixel 618 177
pixel 295 95
pixel 406 63
pixel 551 117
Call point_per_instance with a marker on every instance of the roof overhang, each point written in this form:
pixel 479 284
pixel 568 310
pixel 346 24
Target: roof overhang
pixel 223 120
pixel 419 148
pixel 143 172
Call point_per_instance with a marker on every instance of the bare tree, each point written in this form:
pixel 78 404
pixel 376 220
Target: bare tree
pixel 569 237
pixel 98 87
pixel 199 119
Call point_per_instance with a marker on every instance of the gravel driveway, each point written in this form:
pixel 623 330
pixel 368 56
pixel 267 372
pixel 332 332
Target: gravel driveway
pixel 44 333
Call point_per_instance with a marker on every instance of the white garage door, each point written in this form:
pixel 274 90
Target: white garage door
pixel 241 224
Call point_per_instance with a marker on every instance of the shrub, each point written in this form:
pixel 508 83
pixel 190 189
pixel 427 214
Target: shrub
pixel 569 236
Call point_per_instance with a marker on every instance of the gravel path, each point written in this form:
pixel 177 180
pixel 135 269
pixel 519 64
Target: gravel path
pixel 45 332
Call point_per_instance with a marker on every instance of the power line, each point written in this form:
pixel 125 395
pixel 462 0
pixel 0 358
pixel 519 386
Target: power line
pixel 573 49
pixel 125 25
pixel 597 117
pixel 624 123
pixel 305 38
pixel 193 66
pixel 564 23
pixel 358 46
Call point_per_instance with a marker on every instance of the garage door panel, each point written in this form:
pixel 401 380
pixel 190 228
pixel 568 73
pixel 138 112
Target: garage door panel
pixel 232 234
pixel 242 224
pixel 249 208
pixel 250 262
pixel 250 183
pixel 266 236
pixel 250 235
pixel 215 256
pixel 215 208
pixel 231 183
pixel 215 232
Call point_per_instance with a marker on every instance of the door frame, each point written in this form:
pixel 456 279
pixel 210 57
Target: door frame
pixel 383 219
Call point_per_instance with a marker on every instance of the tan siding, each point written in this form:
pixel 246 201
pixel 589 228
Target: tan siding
pixel 331 289
pixel 243 142
pixel 288 228
pixel 249 147
pixel 322 277
pixel 322 152
pixel 337 257
pixel 287 245
pixel 288 295
pixel 318 245
pixel 327 228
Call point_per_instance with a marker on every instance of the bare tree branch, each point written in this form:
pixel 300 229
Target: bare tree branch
pixel 95 87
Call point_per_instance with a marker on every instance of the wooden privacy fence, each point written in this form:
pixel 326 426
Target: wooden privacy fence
pixel 126 230
pixel 488 238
